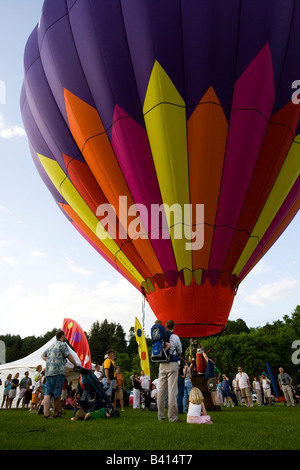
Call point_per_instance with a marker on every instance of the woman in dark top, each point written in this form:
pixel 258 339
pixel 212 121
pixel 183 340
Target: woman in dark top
pixel 13 391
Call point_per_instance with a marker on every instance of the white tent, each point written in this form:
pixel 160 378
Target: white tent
pixel 30 363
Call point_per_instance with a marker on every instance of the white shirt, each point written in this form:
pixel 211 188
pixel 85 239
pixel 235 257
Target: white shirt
pixel 194 410
pixel 37 385
pixel 175 344
pixel 156 383
pixel 242 379
pixel 265 384
pixel 257 385
pixel 145 379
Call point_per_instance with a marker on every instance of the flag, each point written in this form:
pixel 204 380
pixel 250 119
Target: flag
pixel 272 379
pixel 77 339
pixel 142 347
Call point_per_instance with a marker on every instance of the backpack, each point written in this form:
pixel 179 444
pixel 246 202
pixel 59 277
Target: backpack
pixel 159 336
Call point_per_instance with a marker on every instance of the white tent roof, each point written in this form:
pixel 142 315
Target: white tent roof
pixel 34 359
pixel 30 363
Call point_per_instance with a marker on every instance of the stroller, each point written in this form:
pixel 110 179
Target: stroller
pixel 296 394
pixel 93 396
pixel 148 401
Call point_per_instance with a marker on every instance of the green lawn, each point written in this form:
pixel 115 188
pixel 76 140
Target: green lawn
pixel 239 428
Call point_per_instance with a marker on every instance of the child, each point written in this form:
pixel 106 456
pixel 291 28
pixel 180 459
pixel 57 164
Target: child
pixel 98 414
pixel 160 342
pixel 197 412
pixel 36 396
pixel 164 333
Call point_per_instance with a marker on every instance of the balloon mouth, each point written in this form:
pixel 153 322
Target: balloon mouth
pixel 197 310
pixel 188 277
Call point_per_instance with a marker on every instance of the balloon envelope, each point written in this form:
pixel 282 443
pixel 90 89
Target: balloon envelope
pixel 180 117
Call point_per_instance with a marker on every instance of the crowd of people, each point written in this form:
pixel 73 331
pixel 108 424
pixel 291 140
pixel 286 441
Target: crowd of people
pixel 173 390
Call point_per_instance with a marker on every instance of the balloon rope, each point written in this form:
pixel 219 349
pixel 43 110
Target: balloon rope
pixel 219 336
pixel 143 312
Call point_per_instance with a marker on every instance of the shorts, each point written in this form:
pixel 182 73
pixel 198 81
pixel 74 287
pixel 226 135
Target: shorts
pixel 245 392
pixel 212 384
pixel 22 393
pixel 119 394
pixel 54 385
pixel 12 393
pixel 35 399
pixel 64 394
pixel 267 392
pixel 226 394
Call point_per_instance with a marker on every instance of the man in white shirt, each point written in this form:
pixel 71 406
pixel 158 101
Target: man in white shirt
pixel 168 378
pixel 145 381
pixel 266 385
pixel 243 384
pixel 145 384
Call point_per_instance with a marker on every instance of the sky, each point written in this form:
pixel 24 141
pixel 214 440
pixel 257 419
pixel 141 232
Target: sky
pixel 48 272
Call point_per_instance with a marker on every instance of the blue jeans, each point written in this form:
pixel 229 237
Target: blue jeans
pixel 180 394
pixel 108 387
pixel 187 390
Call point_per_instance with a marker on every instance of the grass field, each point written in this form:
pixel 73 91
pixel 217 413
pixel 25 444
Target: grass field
pixel 239 428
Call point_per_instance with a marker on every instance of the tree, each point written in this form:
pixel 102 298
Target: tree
pixel 105 336
pixel 236 327
pixel 132 344
pixel 119 340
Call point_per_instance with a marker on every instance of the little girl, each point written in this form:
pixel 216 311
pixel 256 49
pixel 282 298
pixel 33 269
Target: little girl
pixel 197 412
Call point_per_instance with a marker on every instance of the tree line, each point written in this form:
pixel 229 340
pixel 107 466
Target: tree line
pixel 238 345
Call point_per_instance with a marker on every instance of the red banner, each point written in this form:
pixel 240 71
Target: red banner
pixel 77 339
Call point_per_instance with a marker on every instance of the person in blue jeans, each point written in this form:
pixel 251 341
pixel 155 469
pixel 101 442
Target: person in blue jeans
pixel 187 386
pixel 226 393
pixel 181 378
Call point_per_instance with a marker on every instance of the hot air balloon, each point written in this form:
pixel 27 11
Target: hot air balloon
pixel 183 118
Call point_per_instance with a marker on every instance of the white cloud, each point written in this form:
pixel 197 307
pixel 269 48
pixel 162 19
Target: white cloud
pixel 260 268
pixel 36 254
pixel 78 269
pixel 9 260
pixel 272 292
pixel 3 208
pixel 32 312
pixel 8 131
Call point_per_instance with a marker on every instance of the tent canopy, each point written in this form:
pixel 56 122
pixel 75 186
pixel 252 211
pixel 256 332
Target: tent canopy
pixel 34 359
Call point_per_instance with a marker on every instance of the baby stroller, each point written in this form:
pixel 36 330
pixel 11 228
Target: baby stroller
pixel 296 394
pixel 149 402
pixel 93 396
